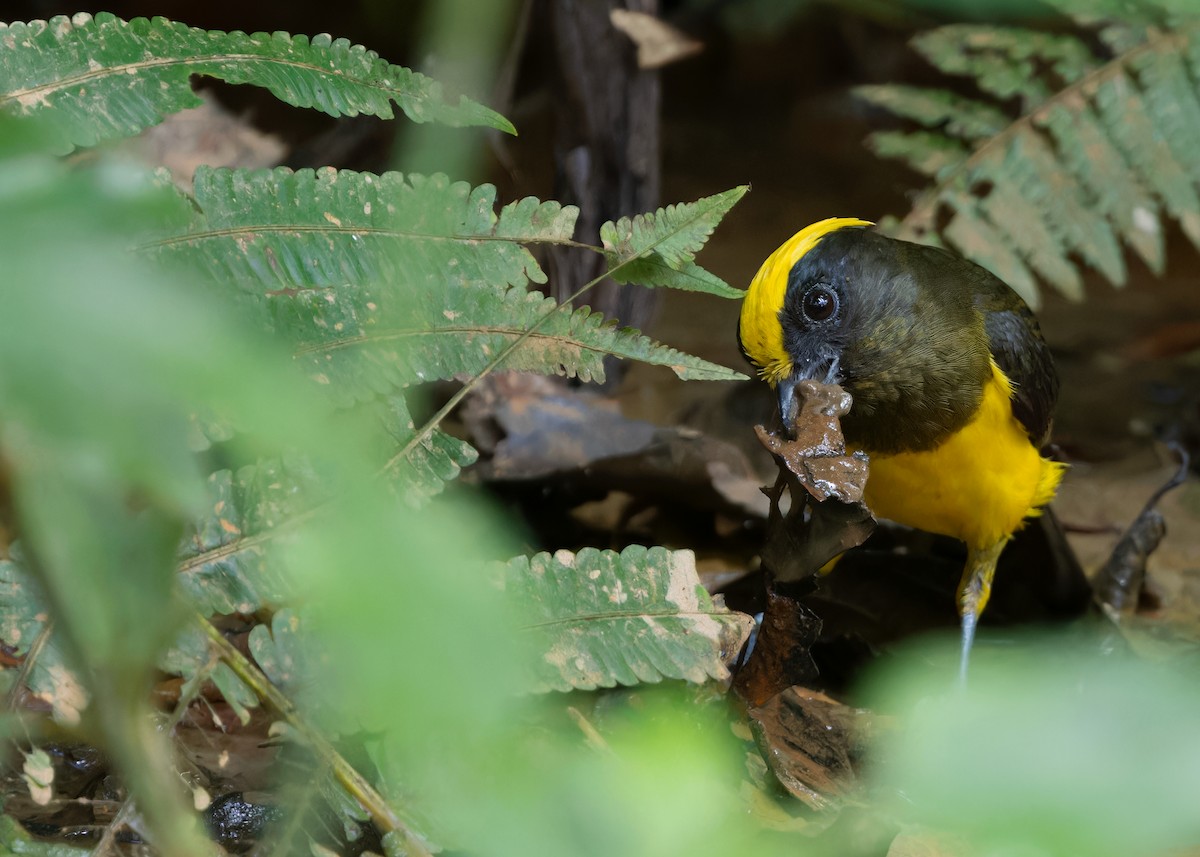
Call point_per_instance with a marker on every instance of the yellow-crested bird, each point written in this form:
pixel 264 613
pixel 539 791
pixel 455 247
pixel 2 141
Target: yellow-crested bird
pixel 953 385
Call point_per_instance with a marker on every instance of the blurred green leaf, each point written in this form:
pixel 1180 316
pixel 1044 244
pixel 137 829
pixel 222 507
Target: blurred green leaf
pixel 280 652
pixel 415 643
pixel 1052 748
pixel 665 785
pixel 15 840
pixel 103 362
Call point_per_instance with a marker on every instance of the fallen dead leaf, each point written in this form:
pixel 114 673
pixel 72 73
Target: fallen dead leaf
pixel 810 743
pixel 658 43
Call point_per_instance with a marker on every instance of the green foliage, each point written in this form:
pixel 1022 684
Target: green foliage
pixel 1050 750
pixel 219 423
pixel 104 360
pixel 358 342
pixel 379 283
pixel 102 78
pixel 274 230
pixel 1075 146
pixel 24 626
pixel 225 565
pixel 599 618
pixel 658 249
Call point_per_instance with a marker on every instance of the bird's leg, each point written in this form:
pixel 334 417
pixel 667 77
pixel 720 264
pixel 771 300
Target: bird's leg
pixel 973 592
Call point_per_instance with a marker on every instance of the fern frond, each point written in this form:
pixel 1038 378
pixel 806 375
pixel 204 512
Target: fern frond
pixel 601 618
pixel 191 657
pixel 25 630
pixel 432 463
pixel 961 117
pixel 359 341
pixel 282 652
pixel 225 566
pixel 24 618
pixel 102 78
pixel 1102 148
pixel 657 249
pixel 924 151
pixel 271 230
pixel 230 561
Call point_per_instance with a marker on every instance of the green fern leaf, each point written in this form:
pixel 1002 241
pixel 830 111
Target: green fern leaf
pixel 927 153
pixel 282 652
pixel 1122 111
pixel 23 620
pixel 272 230
pixel 658 249
pixel 1091 155
pixel 430 465
pixel 1171 102
pixel 229 564
pixel 1102 147
pixel 1005 61
pixel 1076 223
pixel 601 619
pixel 974 235
pixel 357 341
pixel 191 658
pixel 101 78
pixel 225 566
pixel 1027 222
pixel 688 276
pixel 959 117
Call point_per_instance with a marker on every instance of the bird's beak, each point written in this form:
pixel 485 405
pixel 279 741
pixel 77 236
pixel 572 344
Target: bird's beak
pixel 789 405
pixel 824 369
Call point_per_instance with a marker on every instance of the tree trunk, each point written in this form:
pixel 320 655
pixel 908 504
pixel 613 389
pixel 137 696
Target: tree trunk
pixel 606 144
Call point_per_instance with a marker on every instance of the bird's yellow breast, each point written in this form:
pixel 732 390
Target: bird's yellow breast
pixel 979 485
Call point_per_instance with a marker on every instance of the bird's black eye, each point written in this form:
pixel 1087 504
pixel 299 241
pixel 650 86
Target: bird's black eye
pixel 820 303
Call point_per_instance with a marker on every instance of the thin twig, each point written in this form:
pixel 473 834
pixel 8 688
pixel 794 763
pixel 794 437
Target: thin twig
pixel 108 839
pixel 590 733
pixel 372 801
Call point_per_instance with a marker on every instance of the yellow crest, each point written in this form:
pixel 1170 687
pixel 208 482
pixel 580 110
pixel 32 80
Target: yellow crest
pixel 760 330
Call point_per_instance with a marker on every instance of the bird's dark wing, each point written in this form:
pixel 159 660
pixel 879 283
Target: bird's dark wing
pixel 1016 343
pixel 1012 332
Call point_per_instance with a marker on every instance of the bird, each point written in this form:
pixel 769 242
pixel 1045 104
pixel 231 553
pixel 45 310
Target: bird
pixel 953 385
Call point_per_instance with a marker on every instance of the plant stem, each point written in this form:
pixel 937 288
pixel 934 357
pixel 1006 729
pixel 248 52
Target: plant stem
pixel 350 779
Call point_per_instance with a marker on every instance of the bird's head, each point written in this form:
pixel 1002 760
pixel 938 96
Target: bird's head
pixel 800 313
pixel 892 322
